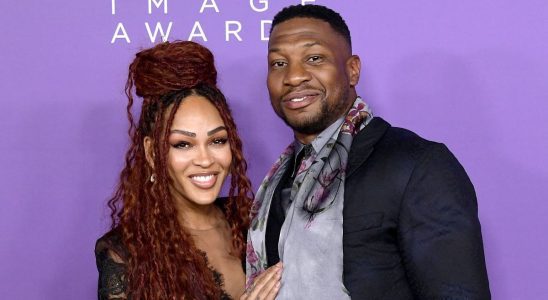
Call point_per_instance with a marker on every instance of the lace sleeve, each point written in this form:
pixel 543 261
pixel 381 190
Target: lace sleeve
pixel 112 269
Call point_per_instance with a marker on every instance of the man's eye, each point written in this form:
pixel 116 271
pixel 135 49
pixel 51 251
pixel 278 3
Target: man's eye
pixel 278 64
pixel 182 145
pixel 315 58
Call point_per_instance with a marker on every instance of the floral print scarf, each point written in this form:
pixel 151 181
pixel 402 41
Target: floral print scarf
pixel 311 236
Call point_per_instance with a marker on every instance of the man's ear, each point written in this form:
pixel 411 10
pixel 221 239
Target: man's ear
pixel 149 151
pixel 353 69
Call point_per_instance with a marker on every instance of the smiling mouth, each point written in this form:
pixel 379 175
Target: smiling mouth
pixel 296 100
pixel 300 97
pixel 204 180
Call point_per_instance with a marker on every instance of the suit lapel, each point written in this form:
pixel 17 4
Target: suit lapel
pixel 364 144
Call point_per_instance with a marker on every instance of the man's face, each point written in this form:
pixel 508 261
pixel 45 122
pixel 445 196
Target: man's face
pixel 311 74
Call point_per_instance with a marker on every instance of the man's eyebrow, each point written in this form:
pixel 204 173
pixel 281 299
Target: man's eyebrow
pixel 306 45
pixel 184 132
pixel 211 132
pixel 273 49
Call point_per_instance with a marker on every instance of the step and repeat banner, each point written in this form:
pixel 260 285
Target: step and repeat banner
pixel 470 74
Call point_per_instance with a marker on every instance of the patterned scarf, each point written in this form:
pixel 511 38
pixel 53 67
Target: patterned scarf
pixel 311 236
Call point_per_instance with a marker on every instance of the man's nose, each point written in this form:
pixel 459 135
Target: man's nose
pixel 296 74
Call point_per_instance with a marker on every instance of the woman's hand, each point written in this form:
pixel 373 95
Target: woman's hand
pixel 266 285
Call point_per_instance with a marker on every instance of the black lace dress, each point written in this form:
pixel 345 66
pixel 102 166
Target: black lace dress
pixel 110 256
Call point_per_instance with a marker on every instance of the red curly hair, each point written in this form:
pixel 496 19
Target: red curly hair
pixel 164 262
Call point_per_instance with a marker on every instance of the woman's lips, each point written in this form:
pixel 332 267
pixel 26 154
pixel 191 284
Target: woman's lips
pixel 204 181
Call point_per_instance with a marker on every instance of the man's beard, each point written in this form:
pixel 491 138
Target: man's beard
pixel 317 123
pixel 310 125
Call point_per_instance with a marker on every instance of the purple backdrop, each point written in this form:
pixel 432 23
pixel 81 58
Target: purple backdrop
pixel 472 74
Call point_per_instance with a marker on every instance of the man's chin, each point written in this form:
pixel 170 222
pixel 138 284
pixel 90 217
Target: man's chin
pixel 307 127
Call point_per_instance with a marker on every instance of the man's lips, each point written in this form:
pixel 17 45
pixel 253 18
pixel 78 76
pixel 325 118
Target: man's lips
pixel 300 99
pixel 204 180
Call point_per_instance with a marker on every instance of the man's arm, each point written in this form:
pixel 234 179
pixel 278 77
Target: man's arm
pixel 439 232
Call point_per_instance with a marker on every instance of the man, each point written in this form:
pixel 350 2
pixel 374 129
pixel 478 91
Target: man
pixel 354 207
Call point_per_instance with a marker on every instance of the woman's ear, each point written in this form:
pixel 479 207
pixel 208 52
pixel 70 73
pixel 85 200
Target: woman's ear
pixel 149 151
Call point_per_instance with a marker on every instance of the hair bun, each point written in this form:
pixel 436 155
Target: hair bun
pixel 172 66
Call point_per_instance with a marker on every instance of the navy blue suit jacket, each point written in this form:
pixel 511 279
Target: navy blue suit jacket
pixel 411 228
pixel 410 223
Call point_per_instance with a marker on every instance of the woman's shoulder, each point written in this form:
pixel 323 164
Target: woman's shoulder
pixel 111 244
pixel 111 258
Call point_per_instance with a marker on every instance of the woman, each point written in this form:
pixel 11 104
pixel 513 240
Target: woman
pixel 172 237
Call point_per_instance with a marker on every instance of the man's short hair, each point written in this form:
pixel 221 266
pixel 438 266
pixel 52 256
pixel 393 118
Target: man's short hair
pixel 315 12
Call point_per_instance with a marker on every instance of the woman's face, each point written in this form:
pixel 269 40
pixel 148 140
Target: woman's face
pixel 199 155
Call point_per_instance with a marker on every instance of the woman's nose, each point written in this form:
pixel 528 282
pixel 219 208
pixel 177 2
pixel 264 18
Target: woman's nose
pixel 203 158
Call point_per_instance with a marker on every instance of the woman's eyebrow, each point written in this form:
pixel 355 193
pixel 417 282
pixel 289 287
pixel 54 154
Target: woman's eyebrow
pixel 184 132
pixel 192 134
pixel 220 128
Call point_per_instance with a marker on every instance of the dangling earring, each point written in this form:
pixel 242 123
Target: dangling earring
pixel 153 178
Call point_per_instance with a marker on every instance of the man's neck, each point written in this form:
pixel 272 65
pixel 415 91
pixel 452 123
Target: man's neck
pixel 305 138
pixel 318 140
pixel 308 138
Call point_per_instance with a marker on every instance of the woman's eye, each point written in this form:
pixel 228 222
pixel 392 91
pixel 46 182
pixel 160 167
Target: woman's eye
pixel 182 145
pixel 220 141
